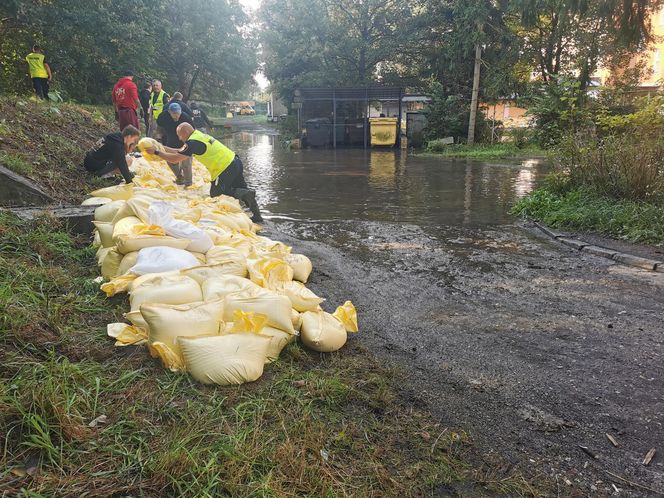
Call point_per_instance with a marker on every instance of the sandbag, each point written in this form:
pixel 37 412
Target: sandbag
pixel 137 320
pixel 269 272
pixel 168 322
pixel 301 266
pixel 130 243
pixel 296 318
pixel 96 201
pixel 165 289
pixel 322 332
pixel 101 254
pixel 225 359
pixel 146 143
pixel 96 240
pixel 162 259
pixel 105 230
pixel 137 206
pixel 276 308
pixel 128 261
pixel 300 297
pixel 347 315
pixel 126 335
pixel 161 213
pixel 125 226
pixel 110 265
pixel 278 341
pixel 119 284
pixel 220 286
pixel 107 211
pixel 234 261
pixel 123 191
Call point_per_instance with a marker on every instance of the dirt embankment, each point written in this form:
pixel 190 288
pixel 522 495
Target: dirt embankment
pixel 46 142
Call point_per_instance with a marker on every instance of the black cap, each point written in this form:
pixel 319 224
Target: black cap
pixel 127 72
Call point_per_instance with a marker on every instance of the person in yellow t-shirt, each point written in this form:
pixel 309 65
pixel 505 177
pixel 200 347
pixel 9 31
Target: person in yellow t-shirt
pixel 40 71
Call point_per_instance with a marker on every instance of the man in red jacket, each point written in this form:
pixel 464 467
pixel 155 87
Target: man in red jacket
pixel 125 100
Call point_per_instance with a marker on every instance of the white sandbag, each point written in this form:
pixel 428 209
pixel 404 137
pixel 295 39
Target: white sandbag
pixel 105 230
pixel 276 308
pixel 162 259
pixel 96 201
pixel 168 322
pixel 220 286
pixel 165 289
pixel 322 332
pixel 300 297
pixel 226 359
pixel 301 266
pixel 106 212
pixel 161 214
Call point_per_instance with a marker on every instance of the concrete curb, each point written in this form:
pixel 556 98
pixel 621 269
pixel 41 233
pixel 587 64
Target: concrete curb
pixel 618 257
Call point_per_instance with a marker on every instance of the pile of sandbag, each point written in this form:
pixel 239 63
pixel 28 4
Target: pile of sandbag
pixel 207 294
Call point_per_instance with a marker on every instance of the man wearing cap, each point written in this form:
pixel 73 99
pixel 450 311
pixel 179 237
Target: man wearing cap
pixel 177 99
pixel 224 165
pixel 125 100
pixel 169 121
pixel 40 71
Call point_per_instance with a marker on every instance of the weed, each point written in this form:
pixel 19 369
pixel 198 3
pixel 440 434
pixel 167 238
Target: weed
pixel 17 163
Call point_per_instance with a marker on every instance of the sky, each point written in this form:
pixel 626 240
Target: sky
pixel 251 6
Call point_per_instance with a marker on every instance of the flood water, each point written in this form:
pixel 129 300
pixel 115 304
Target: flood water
pixel 381 185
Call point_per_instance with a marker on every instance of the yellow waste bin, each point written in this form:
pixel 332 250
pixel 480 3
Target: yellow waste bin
pixel 383 131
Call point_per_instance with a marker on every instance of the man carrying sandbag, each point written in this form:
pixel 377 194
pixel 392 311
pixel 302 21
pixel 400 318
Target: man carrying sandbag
pixel 169 121
pixel 109 154
pixel 224 165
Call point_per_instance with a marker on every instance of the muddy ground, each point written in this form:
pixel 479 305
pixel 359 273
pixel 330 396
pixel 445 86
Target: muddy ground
pixel 532 347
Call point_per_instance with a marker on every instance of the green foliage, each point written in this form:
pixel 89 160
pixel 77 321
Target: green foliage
pixel 483 151
pixel 586 211
pixel 16 163
pixel 448 115
pixel 190 44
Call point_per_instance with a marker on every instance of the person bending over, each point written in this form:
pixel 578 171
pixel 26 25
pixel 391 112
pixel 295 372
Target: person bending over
pixel 110 154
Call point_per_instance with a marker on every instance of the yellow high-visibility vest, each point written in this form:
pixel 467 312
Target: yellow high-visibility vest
pixel 217 156
pixel 36 64
pixel 158 106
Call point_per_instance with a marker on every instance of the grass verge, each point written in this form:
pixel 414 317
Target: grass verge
pixel 585 211
pixel 495 151
pixel 314 425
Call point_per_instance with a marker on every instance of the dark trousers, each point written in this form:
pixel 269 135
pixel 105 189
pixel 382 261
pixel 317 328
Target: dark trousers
pixel 98 169
pixel 41 87
pixel 229 180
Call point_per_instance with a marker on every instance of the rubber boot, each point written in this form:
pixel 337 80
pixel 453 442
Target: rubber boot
pixel 248 196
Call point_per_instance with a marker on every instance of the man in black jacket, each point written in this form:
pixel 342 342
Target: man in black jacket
pixel 169 121
pixel 144 97
pixel 109 154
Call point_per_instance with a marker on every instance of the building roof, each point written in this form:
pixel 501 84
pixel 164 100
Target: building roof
pixel 382 93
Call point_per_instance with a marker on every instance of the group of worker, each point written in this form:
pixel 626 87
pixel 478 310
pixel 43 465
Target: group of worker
pixel 181 128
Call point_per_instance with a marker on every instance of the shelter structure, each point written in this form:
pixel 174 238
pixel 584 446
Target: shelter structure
pixel 346 110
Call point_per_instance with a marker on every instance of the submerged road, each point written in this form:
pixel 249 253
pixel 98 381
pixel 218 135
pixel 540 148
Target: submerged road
pixel 534 348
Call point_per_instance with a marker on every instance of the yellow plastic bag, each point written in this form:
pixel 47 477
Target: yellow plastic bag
pixel 347 315
pixel 117 285
pixel 126 335
pixel 269 272
pixel 124 191
pixel 225 359
pixel 276 308
pixel 169 358
pixel 149 143
pixel 107 212
pixel 167 322
pixel 164 289
pixel 322 332
pixel 300 297
pixel 301 266
pixel 220 286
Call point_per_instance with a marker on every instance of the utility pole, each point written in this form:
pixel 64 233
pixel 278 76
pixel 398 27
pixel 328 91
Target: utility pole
pixel 476 91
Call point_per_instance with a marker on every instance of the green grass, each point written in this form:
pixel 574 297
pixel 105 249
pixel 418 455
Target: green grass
pixel 585 211
pixel 16 163
pixel 483 151
pixel 313 425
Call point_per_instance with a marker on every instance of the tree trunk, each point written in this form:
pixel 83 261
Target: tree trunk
pixel 476 92
pixel 192 83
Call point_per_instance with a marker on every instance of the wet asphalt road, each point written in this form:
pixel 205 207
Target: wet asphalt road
pixel 530 346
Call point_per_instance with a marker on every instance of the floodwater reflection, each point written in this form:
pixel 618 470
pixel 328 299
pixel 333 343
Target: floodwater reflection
pixel 382 185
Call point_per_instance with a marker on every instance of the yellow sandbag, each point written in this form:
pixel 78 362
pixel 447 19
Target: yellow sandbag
pixel 248 322
pixel 101 254
pixel 126 335
pixel 164 289
pixel 137 206
pixel 128 261
pixel 130 243
pixel 125 226
pixel 107 212
pixel 234 240
pixel 276 308
pixel 192 215
pixel 296 318
pixel 225 359
pixel 137 320
pixel 219 286
pixel 256 323
pixel 105 230
pixel 233 261
pixel 117 285
pixel 266 247
pixel 110 265
pixel 347 315
pixel 322 332
pixel 96 240
pixel 278 341
pixel 222 203
pixel 169 358
pixel 123 191
pixel 202 259
pixel 96 201
pixel 301 266
pixel 233 221
pixel 149 143
pixel 269 272
pixel 167 322
pixel 300 297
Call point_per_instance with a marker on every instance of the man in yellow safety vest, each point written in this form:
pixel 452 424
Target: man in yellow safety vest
pixel 40 71
pixel 224 165
pixel 158 101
